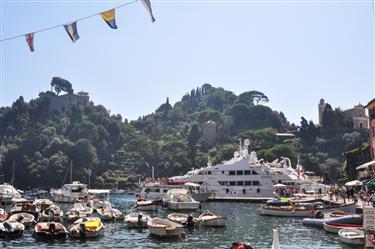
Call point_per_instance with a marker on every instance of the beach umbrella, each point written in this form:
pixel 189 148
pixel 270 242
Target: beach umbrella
pixel 279 185
pixel 353 183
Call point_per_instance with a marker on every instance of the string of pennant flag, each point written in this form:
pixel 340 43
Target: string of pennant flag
pixel 108 16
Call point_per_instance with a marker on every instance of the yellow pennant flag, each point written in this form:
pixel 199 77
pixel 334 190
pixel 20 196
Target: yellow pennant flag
pixel 109 18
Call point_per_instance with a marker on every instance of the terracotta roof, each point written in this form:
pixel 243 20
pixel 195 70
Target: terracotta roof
pixel 369 103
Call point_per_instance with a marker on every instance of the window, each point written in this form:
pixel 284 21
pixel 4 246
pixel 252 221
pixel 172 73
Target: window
pixel 209 172
pixel 222 172
pixel 247 172
pixel 253 172
pixel 165 190
pixel 256 183
pixel 232 172
pixel 239 172
pixel 232 183
pixel 240 183
pixel 247 183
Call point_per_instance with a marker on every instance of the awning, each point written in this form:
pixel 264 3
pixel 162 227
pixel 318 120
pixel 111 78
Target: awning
pixel 353 183
pixel 191 184
pixel 279 185
pixel 366 165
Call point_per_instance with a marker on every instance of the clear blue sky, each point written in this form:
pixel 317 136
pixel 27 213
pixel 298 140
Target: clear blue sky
pixel 296 52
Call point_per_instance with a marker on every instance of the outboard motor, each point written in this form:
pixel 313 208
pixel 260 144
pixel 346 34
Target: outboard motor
pixel 318 214
pixel 82 229
pixel 52 228
pixel 7 226
pixel 140 218
pixel 189 221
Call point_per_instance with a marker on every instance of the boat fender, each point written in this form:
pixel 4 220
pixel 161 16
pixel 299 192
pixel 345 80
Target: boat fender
pixel 258 190
pixel 243 191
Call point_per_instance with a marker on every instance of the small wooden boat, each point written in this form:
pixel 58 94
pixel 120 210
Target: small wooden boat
pixel 25 218
pixel 90 228
pixel 352 236
pixel 210 219
pixel 52 213
pixel 11 229
pixel 108 212
pixel 334 228
pixel 147 205
pixel 3 215
pixel 165 228
pixel 186 220
pixel 137 220
pixel 50 230
pixel 86 219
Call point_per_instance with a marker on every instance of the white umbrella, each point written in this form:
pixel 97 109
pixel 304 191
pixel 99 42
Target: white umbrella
pixel 279 185
pixel 353 183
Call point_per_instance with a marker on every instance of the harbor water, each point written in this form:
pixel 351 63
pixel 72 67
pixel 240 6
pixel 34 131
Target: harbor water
pixel 242 224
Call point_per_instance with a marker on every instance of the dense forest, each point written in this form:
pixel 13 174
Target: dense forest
pixel 39 143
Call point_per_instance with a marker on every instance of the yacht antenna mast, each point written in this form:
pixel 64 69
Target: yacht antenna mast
pixel 71 171
pixel 12 181
pixel 1 163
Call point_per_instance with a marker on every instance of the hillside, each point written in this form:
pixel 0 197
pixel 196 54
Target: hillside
pixel 41 142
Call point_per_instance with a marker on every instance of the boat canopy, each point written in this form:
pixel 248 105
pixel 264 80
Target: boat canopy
pixel 191 184
pixel 177 191
pixel 353 183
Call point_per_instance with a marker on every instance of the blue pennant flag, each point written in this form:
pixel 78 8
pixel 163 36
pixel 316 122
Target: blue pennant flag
pixel 71 29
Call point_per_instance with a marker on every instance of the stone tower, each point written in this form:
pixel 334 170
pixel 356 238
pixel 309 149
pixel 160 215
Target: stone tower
pixel 321 110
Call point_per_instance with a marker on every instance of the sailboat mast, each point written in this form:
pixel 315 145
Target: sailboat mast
pixel 12 181
pixel 71 171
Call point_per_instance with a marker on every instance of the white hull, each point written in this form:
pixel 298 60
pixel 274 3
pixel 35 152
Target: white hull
pixel 352 236
pixel 335 229
pixel 182 205
pixel 215 222
pixel 133 222
pixel 164 228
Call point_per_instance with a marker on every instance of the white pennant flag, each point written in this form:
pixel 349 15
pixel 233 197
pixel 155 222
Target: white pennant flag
pixel 147 5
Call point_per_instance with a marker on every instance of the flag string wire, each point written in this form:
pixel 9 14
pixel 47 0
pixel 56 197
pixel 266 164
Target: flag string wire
pixel 77 20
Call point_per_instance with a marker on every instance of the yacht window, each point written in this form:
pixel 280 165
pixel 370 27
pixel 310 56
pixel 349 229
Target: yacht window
pixel 222 172
pixel 256 183
pixel 247 172
pixel 165 190
pixel 247 183
pixel 240 183
pixel 239 172
pixel 232 172
pixel 222 183
pixel 232 183
pixel 253 172
pixel 209 172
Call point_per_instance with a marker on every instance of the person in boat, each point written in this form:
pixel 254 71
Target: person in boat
pixel 240 245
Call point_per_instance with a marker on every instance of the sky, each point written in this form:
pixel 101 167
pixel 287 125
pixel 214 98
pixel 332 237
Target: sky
pixel 296 52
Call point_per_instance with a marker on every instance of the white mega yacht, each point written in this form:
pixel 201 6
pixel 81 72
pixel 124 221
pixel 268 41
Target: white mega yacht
pixel 70 193
pixel 244 176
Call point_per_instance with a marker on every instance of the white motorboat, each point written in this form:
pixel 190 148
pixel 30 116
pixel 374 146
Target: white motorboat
pixel 186 220
pixel 25 218
pixel 147 205
pixel 8 192
pixel 11 229
pixel 87 228
pixel 210 219
pixel 244 176
pixel 352 236
pixel 108 212
pixel 178 199
pixel 137 220
pixel 165 228
pixel 70 193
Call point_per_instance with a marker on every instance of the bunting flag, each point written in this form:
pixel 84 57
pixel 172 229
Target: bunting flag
pixel 30 41
pixel 71 29
pixel 109 18
pixel 147 5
